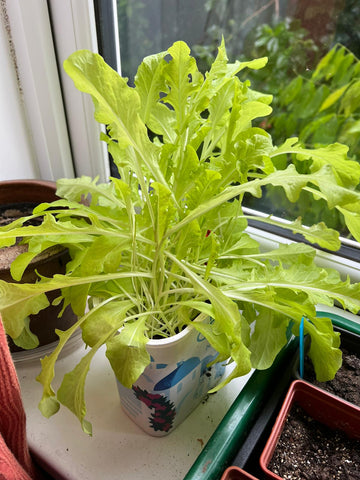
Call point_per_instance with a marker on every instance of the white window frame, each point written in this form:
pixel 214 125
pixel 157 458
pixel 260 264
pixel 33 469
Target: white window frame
pixel 39 87
pixel 64 134
pixel 74 28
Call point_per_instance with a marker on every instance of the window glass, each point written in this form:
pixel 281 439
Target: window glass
pixel 313 70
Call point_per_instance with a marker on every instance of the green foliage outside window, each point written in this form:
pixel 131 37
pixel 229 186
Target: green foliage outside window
pixel 316 91
pixel 320 107
pixel 315 99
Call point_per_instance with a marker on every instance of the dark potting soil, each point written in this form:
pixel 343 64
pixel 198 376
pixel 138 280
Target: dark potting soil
pixel 346 383
pixel 309 450
pixel 9 213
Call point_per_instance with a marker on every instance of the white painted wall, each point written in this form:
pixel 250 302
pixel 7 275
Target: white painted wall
pixel 43 103
pixel 16 152
pixel 48 130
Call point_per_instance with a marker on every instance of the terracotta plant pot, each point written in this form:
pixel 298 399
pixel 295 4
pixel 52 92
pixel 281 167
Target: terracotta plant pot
pixel 16 196
pixel 322 407
pixel 176 381
pixel 236 473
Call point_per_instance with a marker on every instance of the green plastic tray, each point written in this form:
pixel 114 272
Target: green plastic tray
pixel 341 321
pixel 233 429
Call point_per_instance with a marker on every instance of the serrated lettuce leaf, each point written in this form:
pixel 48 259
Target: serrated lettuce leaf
pixel 127 352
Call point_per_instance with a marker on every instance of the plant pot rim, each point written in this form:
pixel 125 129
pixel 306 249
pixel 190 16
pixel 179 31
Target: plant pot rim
pixel 29 181
pixel 237 473
pixel 27 190
pixel 9 254
pixel 165 342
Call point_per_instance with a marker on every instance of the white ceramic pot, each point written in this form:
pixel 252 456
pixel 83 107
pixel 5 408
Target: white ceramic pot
pixel 176 381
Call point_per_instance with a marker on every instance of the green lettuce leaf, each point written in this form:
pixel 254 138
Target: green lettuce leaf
pixel 71 391
pixel 127 352
pixel 104 320
pixel 17 302
pixel 268 339
pixel 26 340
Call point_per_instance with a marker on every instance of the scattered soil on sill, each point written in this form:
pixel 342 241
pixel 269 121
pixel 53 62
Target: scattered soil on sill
pixel 308 450
pixel 346 383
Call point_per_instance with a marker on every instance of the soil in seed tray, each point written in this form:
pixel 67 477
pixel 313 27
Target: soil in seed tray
pixel 309 450
pixel 346 383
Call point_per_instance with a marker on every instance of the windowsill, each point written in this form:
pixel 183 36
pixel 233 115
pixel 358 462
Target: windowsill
pixel 118 448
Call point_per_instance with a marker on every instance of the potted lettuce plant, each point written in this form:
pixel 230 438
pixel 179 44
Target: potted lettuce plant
pixel 168 240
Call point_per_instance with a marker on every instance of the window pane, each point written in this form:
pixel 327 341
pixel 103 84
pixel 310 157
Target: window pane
pixel 313 70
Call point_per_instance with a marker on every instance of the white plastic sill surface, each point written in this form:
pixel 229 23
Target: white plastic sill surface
pixel 118 449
